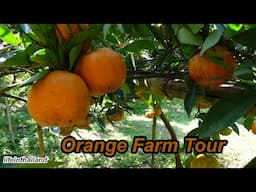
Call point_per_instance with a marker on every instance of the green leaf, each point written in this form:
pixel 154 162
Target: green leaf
pixel 193 133
pixel 158 35
pixel 235 27
pixel 31 49
pixel 248 122
pixel 150 99
pixel 226 111
pixel 211 40
pixel 8 36
pixel 201 116
pixel 176 28
pixel 217 58
pixel 220 27
pixel 129 60
pixel 216 136
pixel 190 99
pixel 25 28
pixel 81 37
pixel 37 33
pixel 101 123
pixel 185 36
pixel 34 78
pixel 106 28
pixel 61 56
pixel 43 56
pixel 188 51
pixel 251 164
pixel 40 52
pixel 235 128
pixel 137 46
pixel 246 38
pixel 44 34
pixel 73 55
pixel 195 28
pixel 244 73
pixel 120 27
pixel 21 58
pixel 28 81
pixel 141 30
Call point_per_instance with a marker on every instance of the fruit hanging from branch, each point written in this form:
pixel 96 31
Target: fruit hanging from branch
pixel 215 67
pixel 103 70
pixel 60 99
pixel 205 161
pixel 115 113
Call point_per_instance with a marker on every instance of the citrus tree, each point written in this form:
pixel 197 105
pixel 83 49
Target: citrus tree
pixel 76 74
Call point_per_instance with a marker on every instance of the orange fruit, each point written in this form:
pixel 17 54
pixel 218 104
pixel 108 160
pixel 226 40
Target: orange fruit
pixel 65 32
pixel 226 132
pixel 139 95
pixel 208 73
pixel 204 105
pixel 150 114
pixel 154 112
pixel 204 161
pixel 251 112
pixel 121 45
pixel 64 131
pixel 116 113
pixel 254 128
pixel 103 70
pixel 159 27
pixel 106 119
pixel 60 99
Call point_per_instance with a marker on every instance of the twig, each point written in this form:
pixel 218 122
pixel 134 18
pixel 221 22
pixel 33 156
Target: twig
pixel 41 141
pixel 153 138
pixel 9 120
pixel 173 136
pixel 177 42
pixel 14 97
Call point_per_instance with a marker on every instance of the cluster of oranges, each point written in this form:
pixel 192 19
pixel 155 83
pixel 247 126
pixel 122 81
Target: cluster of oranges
pixel 63 98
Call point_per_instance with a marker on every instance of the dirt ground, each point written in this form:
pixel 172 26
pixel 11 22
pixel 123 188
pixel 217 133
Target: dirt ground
pixel 239 150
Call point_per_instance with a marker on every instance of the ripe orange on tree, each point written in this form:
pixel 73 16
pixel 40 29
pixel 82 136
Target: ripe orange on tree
pixel 204 161
pixel 115 113
pixel 64 32
pixel 103 70
pixel 253 129
pixel 204 105
pixel 60 99
pixel 226 131
pixel 216 66
pixel 154 112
